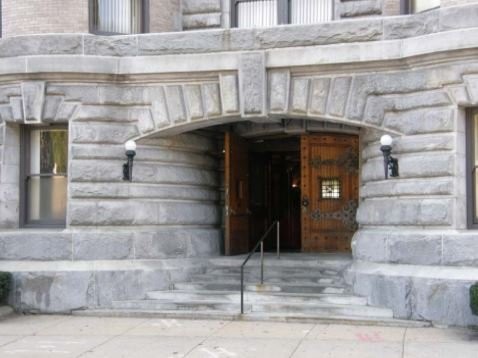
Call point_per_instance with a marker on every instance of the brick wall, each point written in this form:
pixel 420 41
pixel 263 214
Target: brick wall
pixel 391 7
pixel 23 17
pixel 165 15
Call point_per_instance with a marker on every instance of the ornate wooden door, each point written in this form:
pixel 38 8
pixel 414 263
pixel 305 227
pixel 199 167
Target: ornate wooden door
pixel 329 187
pixel 236 167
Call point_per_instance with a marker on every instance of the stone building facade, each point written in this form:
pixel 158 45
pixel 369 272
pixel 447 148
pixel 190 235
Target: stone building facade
pixel 414 77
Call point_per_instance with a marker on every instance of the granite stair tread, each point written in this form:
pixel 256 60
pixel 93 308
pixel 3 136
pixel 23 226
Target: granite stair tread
pixel 253 316
pixel 268 287
pixel 298 290
pixel 234 296
pixel 221 305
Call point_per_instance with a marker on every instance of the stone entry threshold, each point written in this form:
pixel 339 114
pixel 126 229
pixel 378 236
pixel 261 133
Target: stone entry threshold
pixel 297 288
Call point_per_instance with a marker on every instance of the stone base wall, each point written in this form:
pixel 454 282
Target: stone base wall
pixel 432 293
pixel 60 287
pixel 92 245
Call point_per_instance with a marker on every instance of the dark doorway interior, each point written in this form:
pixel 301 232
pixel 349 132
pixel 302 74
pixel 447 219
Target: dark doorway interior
pixel 274 167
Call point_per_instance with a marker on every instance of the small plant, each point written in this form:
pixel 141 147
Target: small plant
pixel 5 283
pixel 474 298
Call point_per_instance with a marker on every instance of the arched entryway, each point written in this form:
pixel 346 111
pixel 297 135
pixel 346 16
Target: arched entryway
pixel 307 179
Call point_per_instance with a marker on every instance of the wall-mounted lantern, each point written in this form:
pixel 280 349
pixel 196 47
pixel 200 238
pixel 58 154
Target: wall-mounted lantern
pixel 390 163
pixel 130 151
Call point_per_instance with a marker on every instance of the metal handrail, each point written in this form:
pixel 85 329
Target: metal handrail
pixel 261 244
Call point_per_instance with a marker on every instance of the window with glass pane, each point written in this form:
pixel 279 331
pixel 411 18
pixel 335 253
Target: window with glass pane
pixel 117 16
pixel 265 13
pixel 310 11
pixel 423 5
pixel 472 167
pixel 256 13
pixel 330 188
pixel 46 176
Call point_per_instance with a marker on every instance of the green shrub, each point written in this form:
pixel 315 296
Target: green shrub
pixel 5 282
pixel 474 298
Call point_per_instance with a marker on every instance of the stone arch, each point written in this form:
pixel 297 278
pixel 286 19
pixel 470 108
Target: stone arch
pixel 386 102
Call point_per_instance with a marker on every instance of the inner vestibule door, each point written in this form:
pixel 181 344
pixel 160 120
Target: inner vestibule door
pixel 236 165
pixel 329 189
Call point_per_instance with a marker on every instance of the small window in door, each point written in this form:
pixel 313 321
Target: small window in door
pixel 330 188
pixel 45 176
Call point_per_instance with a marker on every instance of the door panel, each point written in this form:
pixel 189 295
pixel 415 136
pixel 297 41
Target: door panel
pixel 329 183
pixel 237 195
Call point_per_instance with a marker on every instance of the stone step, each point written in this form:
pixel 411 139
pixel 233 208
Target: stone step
pixel 166 305
pixel 323 309
pixel 254 279
pixel 282 287
pixel 301 261
pixel 256 297
pixel 272 272
pixel 253 316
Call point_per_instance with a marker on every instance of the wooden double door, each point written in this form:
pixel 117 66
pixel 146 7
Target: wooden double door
pixel 328 191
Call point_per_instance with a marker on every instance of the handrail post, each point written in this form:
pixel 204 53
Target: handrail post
pixel 278 239
pixel 242 289
pixel 262 263
pixel 253 251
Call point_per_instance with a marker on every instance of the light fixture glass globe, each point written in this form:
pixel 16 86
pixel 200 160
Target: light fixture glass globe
pixel 130 145
pixel 386 140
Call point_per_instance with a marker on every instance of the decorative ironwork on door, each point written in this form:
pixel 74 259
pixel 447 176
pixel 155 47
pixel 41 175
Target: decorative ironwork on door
pixel 346 215
pixel 348 160
pixel 329 189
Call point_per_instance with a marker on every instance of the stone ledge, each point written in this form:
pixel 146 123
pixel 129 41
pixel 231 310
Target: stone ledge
pixel 101 265
pixel 66 286
pixel 464 274
pixel 123 245
pixel 432 293
pixel 449 248
pixel 338 32
pixel 196 60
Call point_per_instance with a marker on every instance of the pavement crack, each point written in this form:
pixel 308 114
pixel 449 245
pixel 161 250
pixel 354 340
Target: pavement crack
pixel 206 338
pixel 92 349
pixel 301 341
pixel 403 341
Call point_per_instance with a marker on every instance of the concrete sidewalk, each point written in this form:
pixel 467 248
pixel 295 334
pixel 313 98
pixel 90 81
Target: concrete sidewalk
pixel 67 336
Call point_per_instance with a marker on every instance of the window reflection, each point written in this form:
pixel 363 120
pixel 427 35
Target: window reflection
pixel 117 16
pixel 423 5
pixel 46 177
